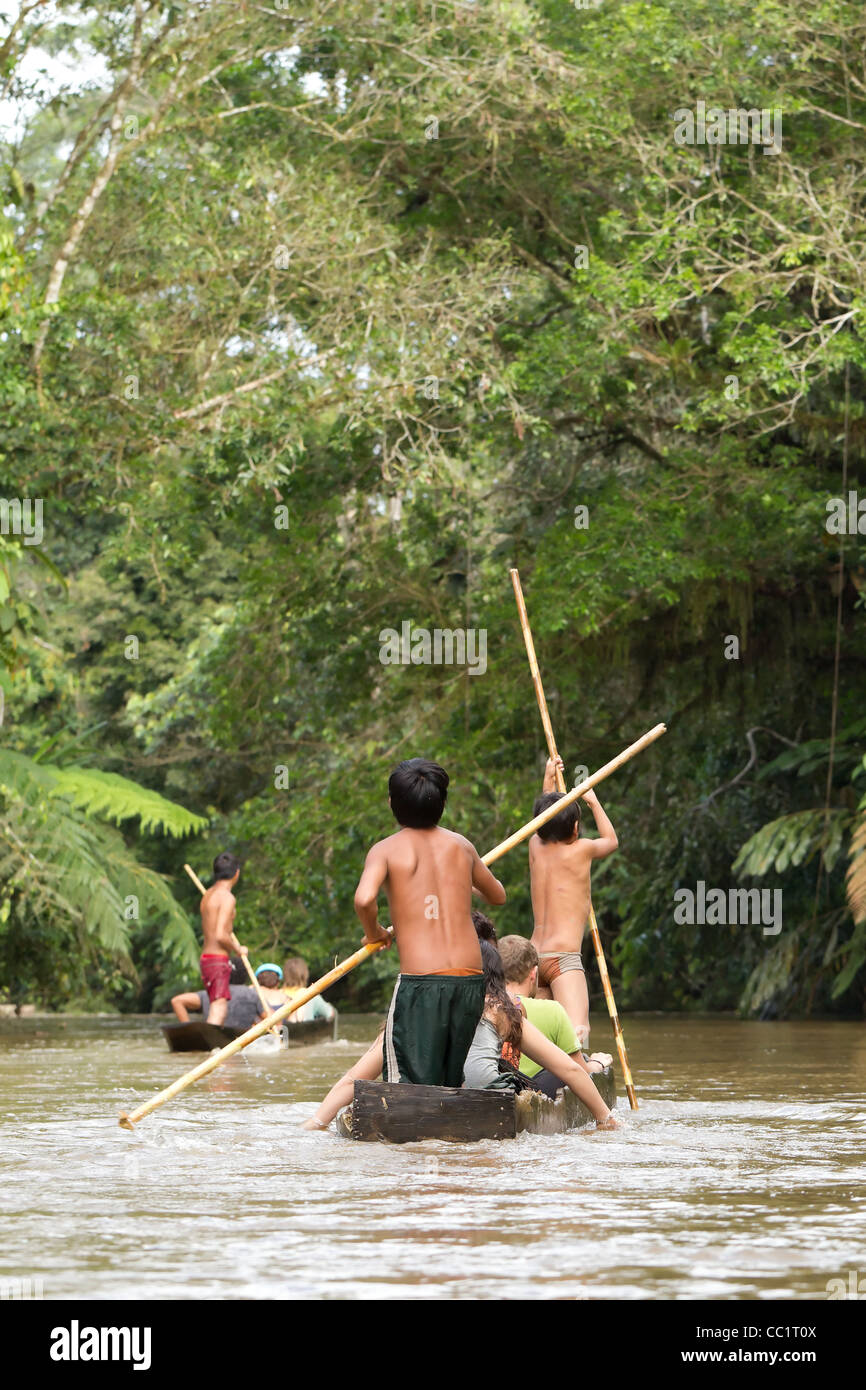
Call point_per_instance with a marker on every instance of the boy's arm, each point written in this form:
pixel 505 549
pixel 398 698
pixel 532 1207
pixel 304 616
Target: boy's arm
pixel 553 766
pixel 367 893
pixel 484 882
pixel 607 840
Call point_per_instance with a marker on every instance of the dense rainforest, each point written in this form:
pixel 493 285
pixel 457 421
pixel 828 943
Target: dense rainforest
pixel 314 318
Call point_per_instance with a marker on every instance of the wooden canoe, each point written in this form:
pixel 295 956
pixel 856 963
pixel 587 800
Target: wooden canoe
pixel 404 1114
pixel 199 1036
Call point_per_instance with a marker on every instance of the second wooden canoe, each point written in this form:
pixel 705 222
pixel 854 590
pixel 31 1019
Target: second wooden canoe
pixel 199 1036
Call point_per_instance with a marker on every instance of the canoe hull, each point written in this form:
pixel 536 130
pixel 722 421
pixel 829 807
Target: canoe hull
pixel 402 1114
pixel 199 1036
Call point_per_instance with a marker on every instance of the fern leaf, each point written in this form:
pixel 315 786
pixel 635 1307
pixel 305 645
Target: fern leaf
pixel 100 794
pixel 61 867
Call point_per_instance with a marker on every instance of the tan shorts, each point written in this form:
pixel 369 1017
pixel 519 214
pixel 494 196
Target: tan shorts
pixel 552 964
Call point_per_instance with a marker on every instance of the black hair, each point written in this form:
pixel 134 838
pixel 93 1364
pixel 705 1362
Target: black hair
pixel 239 974
pixel 418 790
pixel 559 827
pixel 225 865
pixel 496 996
pixel 484 928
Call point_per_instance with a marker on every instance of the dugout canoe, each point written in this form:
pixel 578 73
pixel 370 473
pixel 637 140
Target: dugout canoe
pixel 404 1114
pixel 198 1036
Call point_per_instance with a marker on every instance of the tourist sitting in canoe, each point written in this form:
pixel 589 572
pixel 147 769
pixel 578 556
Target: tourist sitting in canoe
pixel 559 871
pixel 428 875
pixel 243 1007
pixel 217 924
pixel 270 977
pixel 520 968
pixel 296 974
pixel 503 1021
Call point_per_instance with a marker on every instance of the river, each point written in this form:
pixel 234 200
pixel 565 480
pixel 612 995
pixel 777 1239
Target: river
pixel 743 1175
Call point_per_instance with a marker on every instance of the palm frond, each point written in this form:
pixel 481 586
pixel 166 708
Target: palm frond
pixel 793 840
pixel 57 865
pixel 99 794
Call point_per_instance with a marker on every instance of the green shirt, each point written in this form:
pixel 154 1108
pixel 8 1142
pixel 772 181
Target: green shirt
pixel 550 1019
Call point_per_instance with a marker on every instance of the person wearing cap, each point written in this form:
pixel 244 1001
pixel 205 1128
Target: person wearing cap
pixel 270 977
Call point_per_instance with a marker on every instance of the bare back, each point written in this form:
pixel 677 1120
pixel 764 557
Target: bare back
pixel 217 919
pixel 429 879
pixel 560 881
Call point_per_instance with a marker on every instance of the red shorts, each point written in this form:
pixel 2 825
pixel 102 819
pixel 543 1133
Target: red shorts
pixel 216 971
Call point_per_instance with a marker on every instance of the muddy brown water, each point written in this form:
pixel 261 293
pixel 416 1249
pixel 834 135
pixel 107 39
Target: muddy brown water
pixel 743 1175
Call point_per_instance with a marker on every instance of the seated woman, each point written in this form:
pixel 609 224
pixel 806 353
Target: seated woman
pixel 297 976
pixel 503 1022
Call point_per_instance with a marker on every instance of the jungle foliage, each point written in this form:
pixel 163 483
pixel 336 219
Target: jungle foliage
pixel 315 319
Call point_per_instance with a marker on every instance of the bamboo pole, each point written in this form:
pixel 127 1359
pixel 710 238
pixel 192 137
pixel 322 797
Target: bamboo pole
pixel 257 1031
pixel 560 783
pixel 246 960
pixel 576 792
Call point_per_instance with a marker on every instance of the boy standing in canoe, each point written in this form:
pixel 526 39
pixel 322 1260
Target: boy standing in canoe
pixel 559 870
pixel 428 875
pixel 217 924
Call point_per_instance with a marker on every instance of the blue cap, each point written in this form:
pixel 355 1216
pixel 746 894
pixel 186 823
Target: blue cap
pixel 268 966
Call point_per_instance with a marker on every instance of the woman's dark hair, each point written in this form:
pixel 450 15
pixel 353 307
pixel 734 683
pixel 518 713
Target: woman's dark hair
pixel 496 996
pixel 239 974
pixel 225 865
pixel 559 827
pixel 418 790
pixel 484 928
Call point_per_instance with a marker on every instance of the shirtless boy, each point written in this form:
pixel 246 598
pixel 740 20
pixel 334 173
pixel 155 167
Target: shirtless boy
pixel 559 871
pixel 428 875
pixel 217 924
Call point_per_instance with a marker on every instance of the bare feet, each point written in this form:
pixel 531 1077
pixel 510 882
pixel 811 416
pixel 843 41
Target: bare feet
pixel 611 1122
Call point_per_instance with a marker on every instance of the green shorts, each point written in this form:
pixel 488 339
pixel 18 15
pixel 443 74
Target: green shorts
pixel 431 1024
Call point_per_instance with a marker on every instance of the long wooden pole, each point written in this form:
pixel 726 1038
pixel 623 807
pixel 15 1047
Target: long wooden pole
pixel 246 960
pixel 574 795
pixel 560 783
pixel 257 1031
